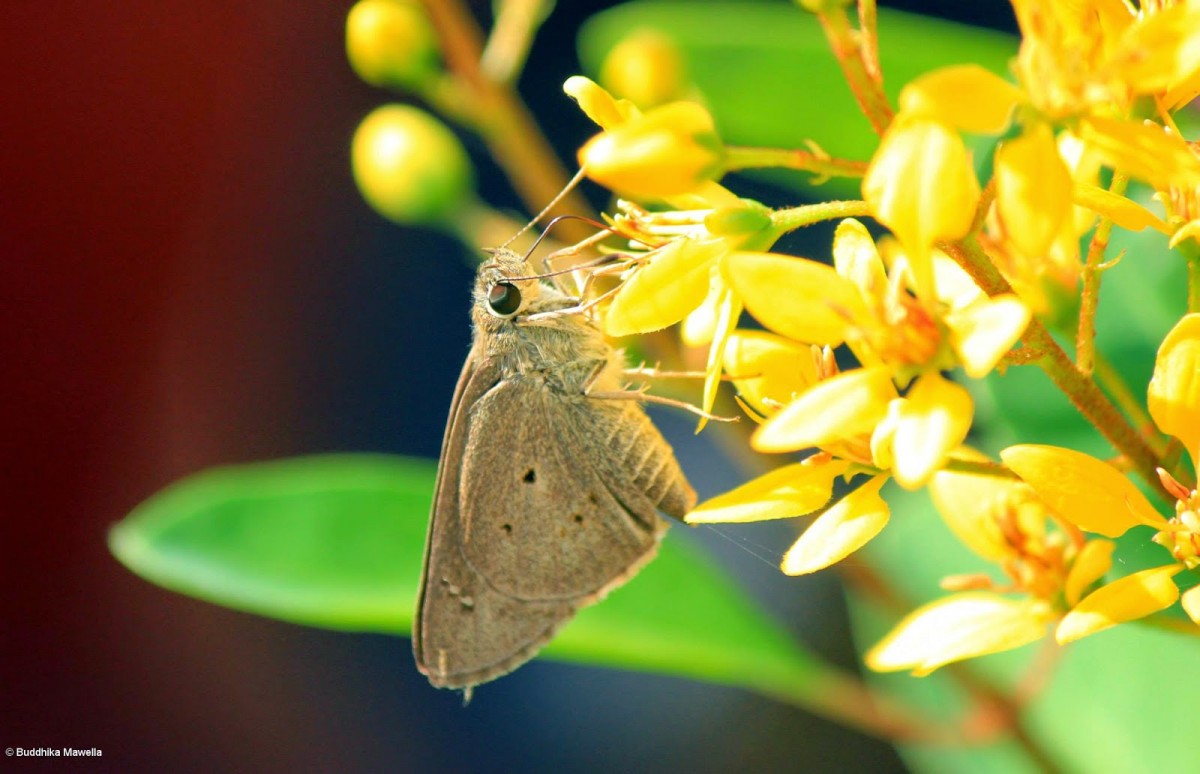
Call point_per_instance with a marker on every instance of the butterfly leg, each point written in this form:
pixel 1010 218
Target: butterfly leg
pixel 644 372
pixel 641 394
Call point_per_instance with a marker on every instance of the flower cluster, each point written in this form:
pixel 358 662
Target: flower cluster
pixel 864 356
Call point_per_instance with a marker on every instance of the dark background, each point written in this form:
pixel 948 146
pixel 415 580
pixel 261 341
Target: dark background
pixel 189 278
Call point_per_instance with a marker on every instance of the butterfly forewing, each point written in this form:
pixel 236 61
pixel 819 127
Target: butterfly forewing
pixel 466 632
pixel 538 521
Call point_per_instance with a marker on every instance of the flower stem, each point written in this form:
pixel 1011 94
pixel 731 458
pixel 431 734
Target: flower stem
pixel 793 218
pixel 845 42
pixel 1085 338
pixel 1088 398
pixel 509 130
pixel 820 164
pixel 1192 253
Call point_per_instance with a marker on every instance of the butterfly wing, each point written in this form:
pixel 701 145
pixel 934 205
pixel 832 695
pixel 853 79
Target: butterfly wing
pixel 466 632
pixel 554 505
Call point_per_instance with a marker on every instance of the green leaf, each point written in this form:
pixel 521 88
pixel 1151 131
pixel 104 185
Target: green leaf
pixel 331 540
pixel 767 74
pixel 337 541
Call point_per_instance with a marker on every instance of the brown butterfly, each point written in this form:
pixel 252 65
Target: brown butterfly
pixel 549 486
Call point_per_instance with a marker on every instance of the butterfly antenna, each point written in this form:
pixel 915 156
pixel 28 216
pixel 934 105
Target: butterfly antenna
pixel 553 203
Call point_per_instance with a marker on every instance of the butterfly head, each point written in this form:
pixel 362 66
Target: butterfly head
pixel 504 287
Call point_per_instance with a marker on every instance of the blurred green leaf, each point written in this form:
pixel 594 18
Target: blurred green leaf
pixel 337 541
pixel 331 540
pixel 766 72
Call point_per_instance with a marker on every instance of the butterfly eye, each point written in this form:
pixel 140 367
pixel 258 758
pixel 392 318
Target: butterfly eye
pixel 504 299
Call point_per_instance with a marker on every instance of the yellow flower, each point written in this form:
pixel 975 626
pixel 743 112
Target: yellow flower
pixel 895 336
pixel 679 276
pixel 669 150
pixel 921 185
pixel 1080 68
pixel 769 370
pixel 1047 562
pixel 1033 190
pixel 1096 497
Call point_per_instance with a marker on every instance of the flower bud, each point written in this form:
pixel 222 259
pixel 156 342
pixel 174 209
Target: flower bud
pixel 646 68
pixel 391 43
pixel 409 166
pixel 669 150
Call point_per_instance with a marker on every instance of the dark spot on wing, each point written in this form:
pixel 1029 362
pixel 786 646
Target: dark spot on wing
pixel 530 476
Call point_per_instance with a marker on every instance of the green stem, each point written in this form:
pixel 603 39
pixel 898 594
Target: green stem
pixel 1114 384
pixel 819 164
pixel 979 468
pixel 1192 254
pixel 1079 388
pixel 793 218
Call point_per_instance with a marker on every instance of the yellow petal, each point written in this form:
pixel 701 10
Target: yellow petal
pixel 932 421
pixel 969 504
pixel 843 406
pixel 1125 599
pixel 1191 603
pixel 1127 214
pixel 768 370
pixel 1182 93
pixel 959 627
pixel 597 104
pixel 669 150
pixel 1033 190
pixel 840 531
pixel 967 97
pixel 1174 394
pixel 661 293
pixel 955 288
pixel 1189 230
pixel 801 299
pixel 1085 491
pixel 729 308
pixel 921 185
pixel 857 259
pixel 701 323
pixel 984 332
pixel 1142 150
pixel 1090 565
pixel 793 490
pixel 1159 51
